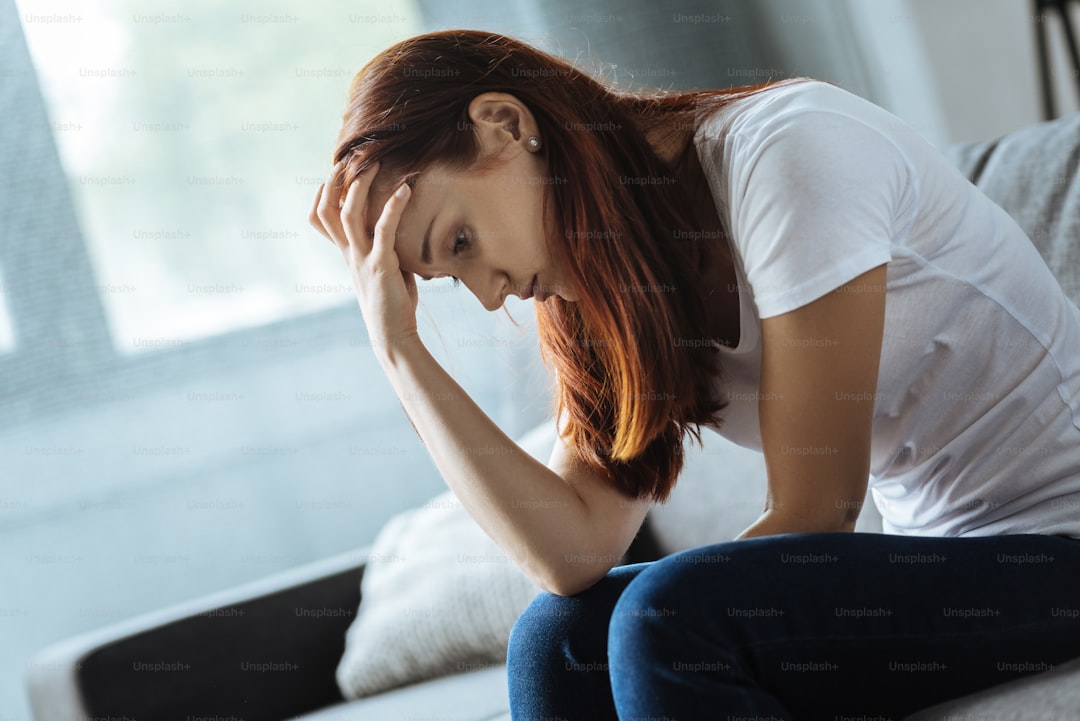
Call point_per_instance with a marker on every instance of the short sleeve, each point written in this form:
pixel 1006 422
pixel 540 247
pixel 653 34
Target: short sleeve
pixel 817 198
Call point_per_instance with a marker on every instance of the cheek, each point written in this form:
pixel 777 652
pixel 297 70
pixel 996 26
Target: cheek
pixel 511 212
pixel 539 229
pixel 548 226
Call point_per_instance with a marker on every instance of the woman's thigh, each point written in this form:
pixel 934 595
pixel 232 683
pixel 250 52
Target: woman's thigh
pixel 800 625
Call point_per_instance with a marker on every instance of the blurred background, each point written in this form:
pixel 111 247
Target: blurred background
pixel 189 400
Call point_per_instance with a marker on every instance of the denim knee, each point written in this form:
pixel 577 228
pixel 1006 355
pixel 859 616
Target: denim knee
pixel 675 650
pixel 664 604
pixel 538 637
pixel 567 631
pixel 535 657
pixel 557 654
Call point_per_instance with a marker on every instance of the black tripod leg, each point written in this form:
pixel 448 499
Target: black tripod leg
pixel 1046 86
pixel 1070 41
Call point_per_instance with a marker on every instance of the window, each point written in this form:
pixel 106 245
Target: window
pixel 7 333
pixel 181 135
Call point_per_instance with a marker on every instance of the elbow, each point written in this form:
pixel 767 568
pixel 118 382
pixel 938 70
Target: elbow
pixel 569 587
pixel 573 577
pixel 562 589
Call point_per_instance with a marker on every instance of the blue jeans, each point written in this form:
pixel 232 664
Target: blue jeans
pixel 799 626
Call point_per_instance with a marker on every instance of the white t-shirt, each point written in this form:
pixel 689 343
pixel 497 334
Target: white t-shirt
pixel 976 426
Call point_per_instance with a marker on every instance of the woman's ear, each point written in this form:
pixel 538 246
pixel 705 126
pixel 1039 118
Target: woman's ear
pixel 501 121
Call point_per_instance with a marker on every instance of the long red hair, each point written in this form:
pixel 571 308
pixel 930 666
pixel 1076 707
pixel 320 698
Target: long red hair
pixel 632 371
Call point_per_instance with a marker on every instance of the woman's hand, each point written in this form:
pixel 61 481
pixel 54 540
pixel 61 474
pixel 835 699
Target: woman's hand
pixel 386 293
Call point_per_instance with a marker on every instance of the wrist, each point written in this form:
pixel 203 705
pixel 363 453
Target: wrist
pixel 391 351
pixel 773 523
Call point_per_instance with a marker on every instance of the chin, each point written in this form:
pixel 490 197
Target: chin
pixel 566 293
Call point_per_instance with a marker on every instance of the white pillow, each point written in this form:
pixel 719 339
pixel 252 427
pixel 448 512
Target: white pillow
pixel 438 596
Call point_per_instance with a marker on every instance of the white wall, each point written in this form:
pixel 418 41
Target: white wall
pixel 983 57
pixel 896 65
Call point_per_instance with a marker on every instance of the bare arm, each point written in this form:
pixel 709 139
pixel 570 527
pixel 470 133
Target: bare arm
pixel 565 529
pixel 565 526
pixel 819 369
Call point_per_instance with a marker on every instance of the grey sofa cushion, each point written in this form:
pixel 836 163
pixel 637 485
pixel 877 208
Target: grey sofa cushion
pixel 1034 174
pixel 1046 696
pixel 482 696
pixel 476 695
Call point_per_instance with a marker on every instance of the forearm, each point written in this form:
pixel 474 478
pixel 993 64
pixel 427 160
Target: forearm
pixel 526 508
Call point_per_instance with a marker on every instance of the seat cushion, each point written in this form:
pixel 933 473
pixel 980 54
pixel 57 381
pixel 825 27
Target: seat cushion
pixel 476 695
pixel 481 695
pixel 1052 694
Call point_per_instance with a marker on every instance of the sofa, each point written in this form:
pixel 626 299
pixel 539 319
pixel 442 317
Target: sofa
pixel 196 648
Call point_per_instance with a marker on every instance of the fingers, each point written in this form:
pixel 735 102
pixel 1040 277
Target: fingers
pixel 386 227
pixel 341 220
pixel 329 207
pixel 313 216
pixel 352 209
pixel 328 213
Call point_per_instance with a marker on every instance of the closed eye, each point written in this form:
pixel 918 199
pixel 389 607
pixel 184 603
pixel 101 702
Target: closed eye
pixel 461 244
pixel 453 278
pixel 461 241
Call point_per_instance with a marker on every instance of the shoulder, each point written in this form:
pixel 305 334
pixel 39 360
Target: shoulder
pixel 801 126
pixel 809 138
pixel 813 187
pixel 777 109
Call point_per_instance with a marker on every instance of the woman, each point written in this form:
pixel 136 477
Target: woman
pixel 786 264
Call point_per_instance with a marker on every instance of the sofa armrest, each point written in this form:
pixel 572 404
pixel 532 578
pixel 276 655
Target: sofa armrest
pixel 266 650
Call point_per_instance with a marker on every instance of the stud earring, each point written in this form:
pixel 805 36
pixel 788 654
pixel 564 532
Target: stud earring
pixel 534 142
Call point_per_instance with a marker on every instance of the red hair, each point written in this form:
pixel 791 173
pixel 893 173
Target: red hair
pixel 632 371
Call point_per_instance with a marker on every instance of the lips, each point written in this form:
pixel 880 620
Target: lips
pixel 534 290
pixel 529 289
